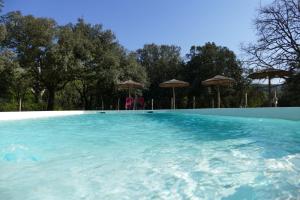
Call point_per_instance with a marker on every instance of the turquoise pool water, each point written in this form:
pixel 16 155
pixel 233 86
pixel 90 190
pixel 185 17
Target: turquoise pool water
pixel 149 156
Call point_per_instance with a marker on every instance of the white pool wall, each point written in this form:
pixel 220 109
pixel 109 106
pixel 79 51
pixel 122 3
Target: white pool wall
pixel 38 114
pixel 289 113
pixel 292 113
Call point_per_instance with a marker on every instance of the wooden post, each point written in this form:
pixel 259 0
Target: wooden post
pixel 194 102
pixel 246 100
pixel 275 98
pixel 134 101
pixel 102 104
pixel 269 90
pixel 174 100
pixel 219 97
pixel 212 101
pixel 20 104
pixel 118 104
pixel 152 102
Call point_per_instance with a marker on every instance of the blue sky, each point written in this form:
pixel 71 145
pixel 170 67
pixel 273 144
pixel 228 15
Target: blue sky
pixel 137 22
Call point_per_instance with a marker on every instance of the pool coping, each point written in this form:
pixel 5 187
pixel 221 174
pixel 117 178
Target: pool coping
pixel 288 113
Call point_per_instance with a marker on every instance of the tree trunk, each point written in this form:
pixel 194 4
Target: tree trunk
pixel 86 103
pixel 246 100
pixel 174 99
pixel 194 102
pixel 51 99
pixel 219 97
pixel 20 104
pixel 269 92
pixel 37 90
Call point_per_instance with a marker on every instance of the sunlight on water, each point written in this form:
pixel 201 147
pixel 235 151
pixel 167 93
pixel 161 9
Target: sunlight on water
pixel 149 156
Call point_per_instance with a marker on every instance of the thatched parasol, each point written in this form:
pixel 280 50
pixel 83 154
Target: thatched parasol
pixel 174 84
pixel 218 81
pixel 130 84
pixel 269 74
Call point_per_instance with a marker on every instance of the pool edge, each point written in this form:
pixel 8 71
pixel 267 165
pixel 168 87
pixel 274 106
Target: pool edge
pixel 288 113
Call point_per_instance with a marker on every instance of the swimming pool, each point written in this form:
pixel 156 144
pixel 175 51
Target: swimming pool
pixel 163 155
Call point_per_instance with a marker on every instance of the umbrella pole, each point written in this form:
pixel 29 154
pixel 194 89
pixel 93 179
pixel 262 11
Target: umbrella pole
pixel 219 98
pixel 134 101
pixel 174 105
pixel 246 100
pixel 194 102
pixel 151 104
pixel 275 97
pixel 20 104
pixel 269 88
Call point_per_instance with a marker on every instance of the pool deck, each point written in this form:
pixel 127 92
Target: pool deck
pixel 291 113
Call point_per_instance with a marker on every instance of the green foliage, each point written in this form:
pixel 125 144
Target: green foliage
pixel 210 60
pixel 7 66
pixel 291 92
pixel 101 64
pixel 30 38
pixel 78 66
pixel 162 63
pixel 257 95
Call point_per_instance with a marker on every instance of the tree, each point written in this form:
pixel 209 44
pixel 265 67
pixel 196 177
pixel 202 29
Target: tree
pixel 278 43
pixel 291 92
pixel 131 69
pixel 97 51
pixel 161 62
pixel 7 65
pixel 13 81
pixel 210 60
pixel 102 64
pixel 29 38
pixel 20 85
pixel 58 64
pixel 80 65
pixel 44 50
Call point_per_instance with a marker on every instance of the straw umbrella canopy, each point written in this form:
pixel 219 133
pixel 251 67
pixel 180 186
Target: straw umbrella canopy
pixel 174 84
pixel 130 84
pixel 269 74
pixel 218 81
